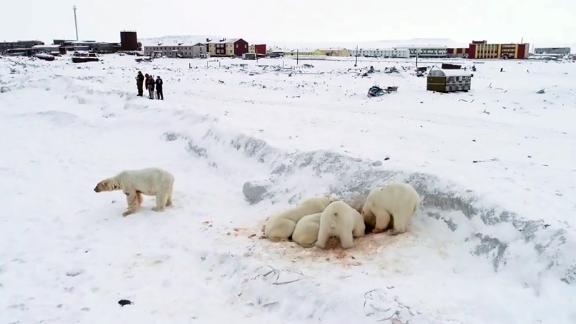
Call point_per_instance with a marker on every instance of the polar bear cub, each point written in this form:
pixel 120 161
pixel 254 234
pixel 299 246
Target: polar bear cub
pixel 281 226
pixel 396 202
pixel 342 221
pixel 306 231
pixel 135 183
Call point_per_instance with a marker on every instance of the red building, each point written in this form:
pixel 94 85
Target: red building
pixel 258 49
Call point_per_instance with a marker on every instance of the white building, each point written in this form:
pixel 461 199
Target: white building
pixel 382 52
pixel 428 51
pixel 182 51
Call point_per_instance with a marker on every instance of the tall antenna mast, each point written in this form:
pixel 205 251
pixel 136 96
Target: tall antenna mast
pixel 75 22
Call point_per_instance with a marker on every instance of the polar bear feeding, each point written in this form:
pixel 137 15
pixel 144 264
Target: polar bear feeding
pixel 342 221
pixel 396 202
pixel 306 231
pixel 135 183
pixel 282 225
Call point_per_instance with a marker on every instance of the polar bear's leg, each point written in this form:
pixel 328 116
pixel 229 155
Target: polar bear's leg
pixel 169 199
pixel 346 239
pixel 368 216
pixel 133 201
pixel 401 221
pixel 359 228
pixel 161 199
pixel 323 235
pixel 382 221
pixel 139 198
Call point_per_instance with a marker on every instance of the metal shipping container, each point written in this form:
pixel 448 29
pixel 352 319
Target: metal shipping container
pixel 438 81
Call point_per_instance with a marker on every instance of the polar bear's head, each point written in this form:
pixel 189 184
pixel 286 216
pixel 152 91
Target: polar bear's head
pixel 107 185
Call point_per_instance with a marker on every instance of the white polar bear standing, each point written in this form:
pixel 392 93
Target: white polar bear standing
pixel 396 202
pixel 306 231
pixel 281 226
pixel 342 221
pixel 135 183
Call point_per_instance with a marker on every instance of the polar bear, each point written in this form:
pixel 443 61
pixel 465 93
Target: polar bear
pixel 341 220
pixel 306 231
pixel 396 202
pixel 134 183
pixel 281 226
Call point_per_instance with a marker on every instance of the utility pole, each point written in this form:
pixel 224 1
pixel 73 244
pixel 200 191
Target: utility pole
pixel 356 60
pixel 297 57
pixel 75 22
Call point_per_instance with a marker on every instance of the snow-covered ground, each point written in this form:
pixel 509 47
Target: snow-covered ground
pixel 493 242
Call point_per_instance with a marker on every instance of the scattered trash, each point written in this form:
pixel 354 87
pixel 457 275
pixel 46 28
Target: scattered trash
pixel 391 70
pixel 541 91
pixel 421 71
pixel 448 66
pixel 124 302
pixel 74 273
pixel 144 59
pixel 480 161
pixel 376 91
pixel 45 57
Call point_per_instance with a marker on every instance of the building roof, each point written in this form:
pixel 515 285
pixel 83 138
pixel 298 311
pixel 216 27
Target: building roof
pixel 224 41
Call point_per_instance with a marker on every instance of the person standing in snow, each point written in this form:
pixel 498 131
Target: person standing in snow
pixel 159 93
pixel 140 83
pixel 150 86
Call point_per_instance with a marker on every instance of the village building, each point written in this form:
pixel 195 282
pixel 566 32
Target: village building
pixel 227 47
pixel 484 50
pixel 556 51
pixel 332 52
pixel 385 52
pixel 258 49
pixel 461 52
pixel 176 50
pixel 430 52
pixel 5 46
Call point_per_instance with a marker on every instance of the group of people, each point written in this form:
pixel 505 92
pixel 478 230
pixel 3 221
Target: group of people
pixel 151 84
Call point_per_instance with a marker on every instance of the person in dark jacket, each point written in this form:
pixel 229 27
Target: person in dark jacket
pixel 159 83
pixel 140 83
pixel 146 81
pixel 150 86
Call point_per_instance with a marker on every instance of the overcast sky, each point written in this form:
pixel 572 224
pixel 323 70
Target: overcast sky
pixel 542 22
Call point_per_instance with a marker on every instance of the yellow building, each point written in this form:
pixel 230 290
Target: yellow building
pixel 227 47
pixel 333 52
